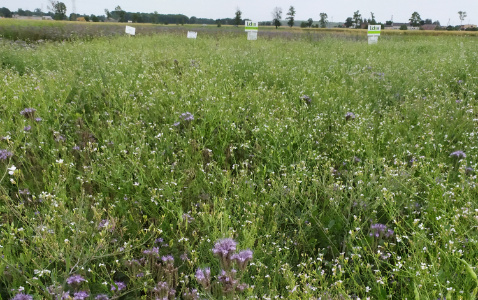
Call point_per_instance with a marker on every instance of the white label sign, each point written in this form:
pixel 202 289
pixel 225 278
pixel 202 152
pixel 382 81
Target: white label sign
pixel 373 39
pixel 192 34
pixel 130 30
pixel 252 35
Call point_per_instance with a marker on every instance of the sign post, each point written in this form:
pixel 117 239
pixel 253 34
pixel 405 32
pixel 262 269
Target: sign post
pixel 130 30
pixel 373 33
pixel 251 28
pixel 192 34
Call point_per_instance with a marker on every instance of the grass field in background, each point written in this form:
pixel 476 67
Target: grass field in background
pixel 131 165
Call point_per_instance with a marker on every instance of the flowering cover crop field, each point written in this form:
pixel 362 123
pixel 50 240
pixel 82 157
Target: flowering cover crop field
pixel 158 167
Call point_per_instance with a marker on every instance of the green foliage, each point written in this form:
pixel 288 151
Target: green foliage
pixel 5 12
pixel 415 19
pixel 237 18
pixel 59 9
pixel 271 158
pixel 291 15
pixel 323 20
pixel 403 27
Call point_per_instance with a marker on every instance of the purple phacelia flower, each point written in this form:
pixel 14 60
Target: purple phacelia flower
pixel 203 276
pixel 27 128
pixel 167 259
pixel 22 296
pixel 224 247
pixel 176 124
pixel 5 154
pixel 76 148
pixel 81 295
pixel 458 154
pixel 349 116
pixel 24 192
pixel 118 286
pixel 158 240
pixel 306 99
pixel 103 223
pixel 228 281
pixel 191 294
pixel 153 252
pixel 460 81
pixel 60 138
pixel 161 287
pixel 75 280
pixel 469 170
pixel 38 119
pixel 378 230
pixel 28 112
pixel 242 258
pixel 102 297
pixel 241 287
pixel 184 257
pixel 187 117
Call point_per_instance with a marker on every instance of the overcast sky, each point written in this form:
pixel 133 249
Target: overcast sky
pixel 260 10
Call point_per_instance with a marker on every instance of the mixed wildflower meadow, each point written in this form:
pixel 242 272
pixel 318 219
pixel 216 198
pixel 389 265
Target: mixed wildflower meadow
pixel 159 167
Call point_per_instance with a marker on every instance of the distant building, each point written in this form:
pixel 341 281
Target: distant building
pixel 428 27
pixel 32 17
pixel 396 26
pixel 468 26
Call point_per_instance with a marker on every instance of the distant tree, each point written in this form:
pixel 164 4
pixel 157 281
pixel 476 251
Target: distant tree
pixel 462 15
pixel 192 20
pixel 120 13
pixel 58 8
pixel 5 12
pixel 291 15
pixel 323 20
pixel 38 12
pixel 94 18
pixel 372 21
pixel 276 16
pixel 73 17
pixel 108 14
pixel 155 17
pixel 404 27
pixel 389 23
pixel 237 18
pixel 218 23
pixel 310 22
pixel 349 22
pixel 415 19
pixel 437 23
pixel 304 24
pixel 357 19
pixel 428 21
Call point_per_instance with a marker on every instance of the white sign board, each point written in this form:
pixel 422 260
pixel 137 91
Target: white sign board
pixel 252 35
pixel 373 39
pixel 130 30
pixel 192 34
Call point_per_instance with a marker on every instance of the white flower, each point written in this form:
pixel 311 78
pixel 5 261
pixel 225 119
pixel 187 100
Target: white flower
pixel 60 161
pixel 11 170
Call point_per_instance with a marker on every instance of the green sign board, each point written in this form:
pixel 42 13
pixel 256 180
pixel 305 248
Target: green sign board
pixel 252 26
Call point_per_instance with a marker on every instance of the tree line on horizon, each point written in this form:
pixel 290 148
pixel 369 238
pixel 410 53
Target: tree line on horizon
pixel 57 10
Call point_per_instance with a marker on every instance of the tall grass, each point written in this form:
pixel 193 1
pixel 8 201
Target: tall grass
pixel 296 149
